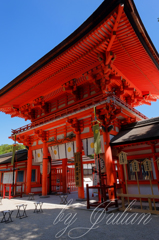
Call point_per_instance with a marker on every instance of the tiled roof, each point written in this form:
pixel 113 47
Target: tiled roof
pixel 20 155
pixel 144 130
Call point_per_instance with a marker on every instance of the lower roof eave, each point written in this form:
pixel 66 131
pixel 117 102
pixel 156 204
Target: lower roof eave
pixel 135 142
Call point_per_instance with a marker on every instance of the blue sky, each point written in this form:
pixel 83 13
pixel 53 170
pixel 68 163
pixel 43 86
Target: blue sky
pixel 30 29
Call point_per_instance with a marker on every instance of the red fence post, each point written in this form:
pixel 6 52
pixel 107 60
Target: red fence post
pixel 87 189
pixel 4 190
pixel 21 191
pixel 9 191
pixel 99 194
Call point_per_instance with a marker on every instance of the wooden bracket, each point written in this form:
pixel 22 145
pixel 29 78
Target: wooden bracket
pixel 76 125
pixel 71 88
pixel 108 113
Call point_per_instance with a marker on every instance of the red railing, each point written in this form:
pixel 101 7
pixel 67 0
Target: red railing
pixel 12 191
pixel 103 201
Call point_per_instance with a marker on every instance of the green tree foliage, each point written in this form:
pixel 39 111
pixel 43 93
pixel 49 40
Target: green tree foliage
pixel 5 148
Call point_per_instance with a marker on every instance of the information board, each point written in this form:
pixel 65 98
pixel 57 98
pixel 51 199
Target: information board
pixel 78 178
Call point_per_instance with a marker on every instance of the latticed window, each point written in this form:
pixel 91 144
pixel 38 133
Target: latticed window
pixel 20 176
pixel 33 175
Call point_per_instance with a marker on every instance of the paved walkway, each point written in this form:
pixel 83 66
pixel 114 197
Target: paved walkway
pixel 63 222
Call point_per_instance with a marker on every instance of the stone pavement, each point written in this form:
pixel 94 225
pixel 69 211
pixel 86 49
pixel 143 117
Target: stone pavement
pixel 59 221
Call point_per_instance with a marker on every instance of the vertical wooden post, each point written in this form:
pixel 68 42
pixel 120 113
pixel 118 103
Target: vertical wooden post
pixel 150 204
pixel 64 175
pixel 104 194
pixel 99 194
pixel 108 163
pixel 29 171
pixel 10 187
pixel 152 190
pixel 116 200
pixel 79 149
pixel 4 190
pixel 126 181
pixel 100 180
pixel 138 188
pixel 21 190
pixel 122 176
pixel 123 202
pixel 88 207
pixel 44 174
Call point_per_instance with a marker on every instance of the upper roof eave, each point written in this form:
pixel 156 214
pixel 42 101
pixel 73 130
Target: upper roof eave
pixel 141 32
pixel 99 14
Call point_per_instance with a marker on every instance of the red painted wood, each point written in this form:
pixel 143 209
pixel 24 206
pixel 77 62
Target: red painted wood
pixel 29 171
pixel 64 175
pixel 45 165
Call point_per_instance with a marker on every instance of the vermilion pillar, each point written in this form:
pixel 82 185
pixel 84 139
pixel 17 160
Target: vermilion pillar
pixel 108 162
pixel 29 171
pixel 44 173
pixel 79 149
pixel 64 175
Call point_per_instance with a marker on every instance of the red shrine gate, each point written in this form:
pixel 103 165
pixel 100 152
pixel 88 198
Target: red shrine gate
pixel 109 63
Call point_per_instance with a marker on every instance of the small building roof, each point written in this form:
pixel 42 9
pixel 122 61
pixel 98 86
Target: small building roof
pixel 20 155
pixel 144 130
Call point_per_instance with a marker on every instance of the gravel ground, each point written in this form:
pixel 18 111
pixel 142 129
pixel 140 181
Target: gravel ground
pixel 61 222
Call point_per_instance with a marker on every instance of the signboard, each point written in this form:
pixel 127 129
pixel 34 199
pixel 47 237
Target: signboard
pixel 48 168
pixel 135 166
pixel 95 179
pixel 147 165
pixel 102 163
pixel 78 178
pixel 122 157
